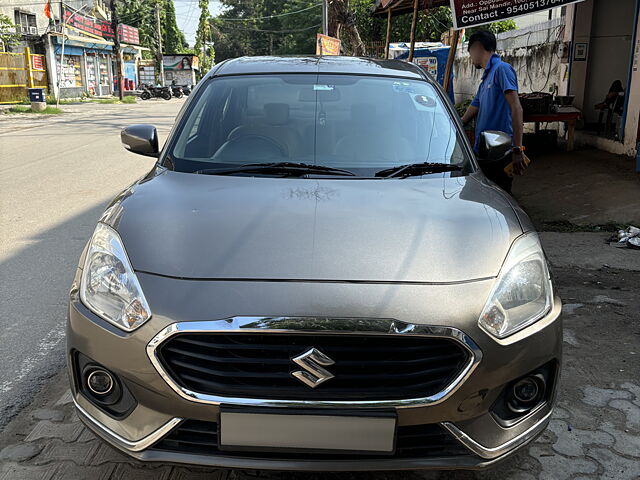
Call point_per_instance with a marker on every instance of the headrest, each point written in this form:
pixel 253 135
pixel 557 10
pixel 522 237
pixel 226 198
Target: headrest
pixel 276 113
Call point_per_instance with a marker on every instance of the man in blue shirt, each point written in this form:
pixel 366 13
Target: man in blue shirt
pixel 497 105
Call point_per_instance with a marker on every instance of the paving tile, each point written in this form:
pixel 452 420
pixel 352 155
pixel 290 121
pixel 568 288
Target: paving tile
pixel 187 473
pixel 48 414
pixel 19 452
pixel 65 399
pixel 71 471
pixel 86 436
pixel 67 432
pixel 78 453
pixel 129 472
pixel 13 471
pixel 107 454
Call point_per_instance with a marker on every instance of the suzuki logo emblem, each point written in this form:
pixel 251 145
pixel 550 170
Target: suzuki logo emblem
pixel 313 362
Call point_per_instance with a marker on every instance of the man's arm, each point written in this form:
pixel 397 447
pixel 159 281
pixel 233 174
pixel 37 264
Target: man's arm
pixel 470 114
pixel 518 126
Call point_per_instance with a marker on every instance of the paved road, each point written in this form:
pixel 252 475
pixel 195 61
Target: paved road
pixel 56 174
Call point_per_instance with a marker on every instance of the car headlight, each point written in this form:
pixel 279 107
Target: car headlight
pixel 109 287
pixel 523 292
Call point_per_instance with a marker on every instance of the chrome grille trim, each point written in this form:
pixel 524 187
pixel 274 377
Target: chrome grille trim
pixel 315 325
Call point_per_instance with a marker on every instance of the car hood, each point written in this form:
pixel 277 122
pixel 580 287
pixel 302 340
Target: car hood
pixel 439 229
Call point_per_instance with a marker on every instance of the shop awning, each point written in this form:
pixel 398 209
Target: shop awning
pixel 402 7
pixel 94 44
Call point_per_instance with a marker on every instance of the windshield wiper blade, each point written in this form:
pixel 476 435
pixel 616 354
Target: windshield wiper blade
pixel 412 169
pixel 284 167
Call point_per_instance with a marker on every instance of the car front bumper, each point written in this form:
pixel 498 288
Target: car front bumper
pixel 463 411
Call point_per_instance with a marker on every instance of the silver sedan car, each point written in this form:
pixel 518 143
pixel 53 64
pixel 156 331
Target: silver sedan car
pixel 315 275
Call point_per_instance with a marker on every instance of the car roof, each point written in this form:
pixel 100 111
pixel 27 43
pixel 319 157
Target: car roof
pixel 318 64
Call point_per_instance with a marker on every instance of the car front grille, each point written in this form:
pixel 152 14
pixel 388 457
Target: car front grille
pixel 415 441
pixel 257 365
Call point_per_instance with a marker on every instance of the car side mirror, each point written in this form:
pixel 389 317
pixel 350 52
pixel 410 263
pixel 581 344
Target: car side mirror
pixel 141 139
pixel 494 145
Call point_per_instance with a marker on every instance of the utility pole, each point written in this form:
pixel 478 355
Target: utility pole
pixel 159 52
pixel 116 48
pixel 325 17
pixel 64 35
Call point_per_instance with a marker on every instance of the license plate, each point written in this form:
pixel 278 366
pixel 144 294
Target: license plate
pixel 374 433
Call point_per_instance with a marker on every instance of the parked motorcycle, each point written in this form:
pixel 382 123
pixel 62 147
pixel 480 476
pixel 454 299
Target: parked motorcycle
pixel 149 91
pixel 177 91
pixel 186 89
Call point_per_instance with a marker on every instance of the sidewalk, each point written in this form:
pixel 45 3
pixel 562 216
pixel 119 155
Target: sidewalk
pixel 584 187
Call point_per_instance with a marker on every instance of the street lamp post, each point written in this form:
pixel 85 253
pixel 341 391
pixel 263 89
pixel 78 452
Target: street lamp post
pixel 64 22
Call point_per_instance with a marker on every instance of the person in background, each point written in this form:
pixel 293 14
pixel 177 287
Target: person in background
pixel 496 105
pixel 611 101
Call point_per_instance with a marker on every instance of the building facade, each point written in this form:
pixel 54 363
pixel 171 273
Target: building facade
pixel 76 44
pixel 605 41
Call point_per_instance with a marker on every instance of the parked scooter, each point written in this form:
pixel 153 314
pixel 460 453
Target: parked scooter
pixel 149 91
pixel 186 89
pixel 177 91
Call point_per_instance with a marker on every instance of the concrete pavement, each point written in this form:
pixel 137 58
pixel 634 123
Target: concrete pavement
pixel 56 174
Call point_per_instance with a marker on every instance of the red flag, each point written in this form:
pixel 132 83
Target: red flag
pixel 47 10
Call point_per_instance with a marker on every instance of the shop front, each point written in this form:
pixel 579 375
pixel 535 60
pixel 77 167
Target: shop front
pixel 85 67
pixel 82 54
pixel 605 72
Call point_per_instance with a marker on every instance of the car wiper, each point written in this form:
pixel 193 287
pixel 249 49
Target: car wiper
pixel 278 167
pixel 412 169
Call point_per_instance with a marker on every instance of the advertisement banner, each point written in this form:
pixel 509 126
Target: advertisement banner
pixel 326 45
pixel 129 35
pixel 180 62
pixel 99 28
pixel 471 13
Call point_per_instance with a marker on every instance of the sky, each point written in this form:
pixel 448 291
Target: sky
pixel 188 13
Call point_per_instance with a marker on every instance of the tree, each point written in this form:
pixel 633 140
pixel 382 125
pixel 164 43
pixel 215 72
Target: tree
pixel 204 46
pixel 343 19
pixel 431 23
pixel 496 27
pixel 140 14
pixel 173 38
pixel 8 36
pixel 265 27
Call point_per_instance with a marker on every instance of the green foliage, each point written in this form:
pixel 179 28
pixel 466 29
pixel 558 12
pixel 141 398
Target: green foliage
pixel 429 28
pixel 173 38
pixel 496 27
pixel 462 107
pixel 204 40
pixel 8 37
pixel 503 26
pixel 287 32
pixel 272 27
pixel 142 15
pixel 275 27
pixel 46 111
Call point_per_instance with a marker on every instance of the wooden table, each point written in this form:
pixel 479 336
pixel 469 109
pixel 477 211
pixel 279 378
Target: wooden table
pixel 568 115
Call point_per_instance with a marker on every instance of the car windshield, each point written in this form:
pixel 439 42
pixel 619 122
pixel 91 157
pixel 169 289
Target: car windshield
pixel 362 124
